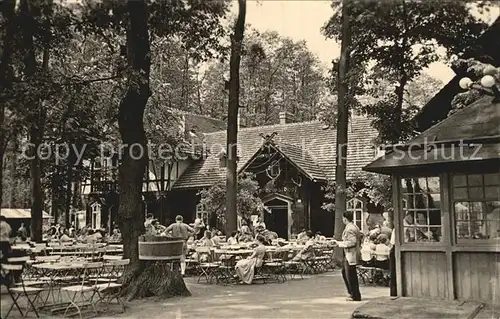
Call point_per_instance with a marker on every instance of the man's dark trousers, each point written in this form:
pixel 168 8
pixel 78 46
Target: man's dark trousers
pixel 350 276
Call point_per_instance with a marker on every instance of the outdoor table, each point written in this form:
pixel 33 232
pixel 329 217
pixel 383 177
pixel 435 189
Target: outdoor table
pixel 236 252
pixel 56 274
pixel 20 247
pixel 235 247
pixel 292 247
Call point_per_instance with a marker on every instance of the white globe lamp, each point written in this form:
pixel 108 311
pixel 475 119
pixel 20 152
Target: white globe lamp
pixel 465 83
pixel 488 81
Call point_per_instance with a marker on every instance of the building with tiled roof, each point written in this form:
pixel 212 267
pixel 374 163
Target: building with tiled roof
pixel 101 186
pixel 299 158
pixel 310 145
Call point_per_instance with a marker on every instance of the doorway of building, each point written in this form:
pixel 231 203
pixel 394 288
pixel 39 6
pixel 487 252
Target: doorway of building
pixel 278 221
pixel 277 217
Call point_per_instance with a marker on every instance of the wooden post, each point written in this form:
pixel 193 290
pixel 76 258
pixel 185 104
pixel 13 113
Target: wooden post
pixel 396 200
pixel 446 208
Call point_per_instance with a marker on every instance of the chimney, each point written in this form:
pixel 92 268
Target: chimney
pixel 286 117
pixel 182 124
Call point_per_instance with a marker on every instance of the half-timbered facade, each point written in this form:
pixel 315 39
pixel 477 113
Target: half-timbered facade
pixel 291 162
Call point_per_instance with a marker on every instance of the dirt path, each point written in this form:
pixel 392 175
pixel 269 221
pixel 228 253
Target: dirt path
pixel 320 296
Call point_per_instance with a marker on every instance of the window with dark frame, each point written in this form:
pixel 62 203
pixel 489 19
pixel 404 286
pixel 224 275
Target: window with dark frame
pixel 421 207
pixel 476 205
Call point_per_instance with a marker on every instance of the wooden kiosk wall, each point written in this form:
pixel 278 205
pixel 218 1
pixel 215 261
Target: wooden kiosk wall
pixel 445 269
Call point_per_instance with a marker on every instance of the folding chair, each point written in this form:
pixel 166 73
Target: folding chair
pixel 365 274
pixel 109 289
pixel 321 260
pixel 274 265
pixel 87 287
pixel 31 294
pixel 292 267
pixel 208 269
pixel 226 271
pixel 192 265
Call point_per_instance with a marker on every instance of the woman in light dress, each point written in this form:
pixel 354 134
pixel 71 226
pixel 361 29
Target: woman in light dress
pixel 245 268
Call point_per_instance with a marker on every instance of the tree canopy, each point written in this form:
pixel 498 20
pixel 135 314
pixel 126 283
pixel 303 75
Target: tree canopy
pixel 396 41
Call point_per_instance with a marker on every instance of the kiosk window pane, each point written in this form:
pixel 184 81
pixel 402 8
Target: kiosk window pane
pixel 421 209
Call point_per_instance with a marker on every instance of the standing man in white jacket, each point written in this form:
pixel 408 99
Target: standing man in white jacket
pixel 351 244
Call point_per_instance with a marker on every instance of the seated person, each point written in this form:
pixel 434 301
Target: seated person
pixel 207 241
pixel 91 237
pixel 216 237
pixel 382 251
pixel 246 238
pixel 385 229
pixel 65 237
pixel 98 235
pixel 302 236
pixel 158 227
pixel 270 236
pixel 244 228
pixel 319 237
pixel 232 240
pixel 117 235
pixel 245 268
pixel 261 231
pixel 368 250
pixel 308 251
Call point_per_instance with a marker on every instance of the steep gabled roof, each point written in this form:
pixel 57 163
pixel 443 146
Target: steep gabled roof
pixel 302 159
pixel 302 142
pixel 297 156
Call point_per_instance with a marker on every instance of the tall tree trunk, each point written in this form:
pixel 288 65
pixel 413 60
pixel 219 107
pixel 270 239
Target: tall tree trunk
pixel 54 184
pixel 37 119
pixel 142 279
pixel 131 126
pixel 232 119
pixel 342 125
pixel 69 192
pixel 5 77
pixel 400 91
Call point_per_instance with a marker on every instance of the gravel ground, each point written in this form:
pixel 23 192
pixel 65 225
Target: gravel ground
pixel 319 296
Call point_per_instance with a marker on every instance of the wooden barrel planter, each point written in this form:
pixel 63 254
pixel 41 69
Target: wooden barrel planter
pixel 160 248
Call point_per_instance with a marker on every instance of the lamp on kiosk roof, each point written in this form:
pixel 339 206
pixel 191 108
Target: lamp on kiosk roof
pixel 488 83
